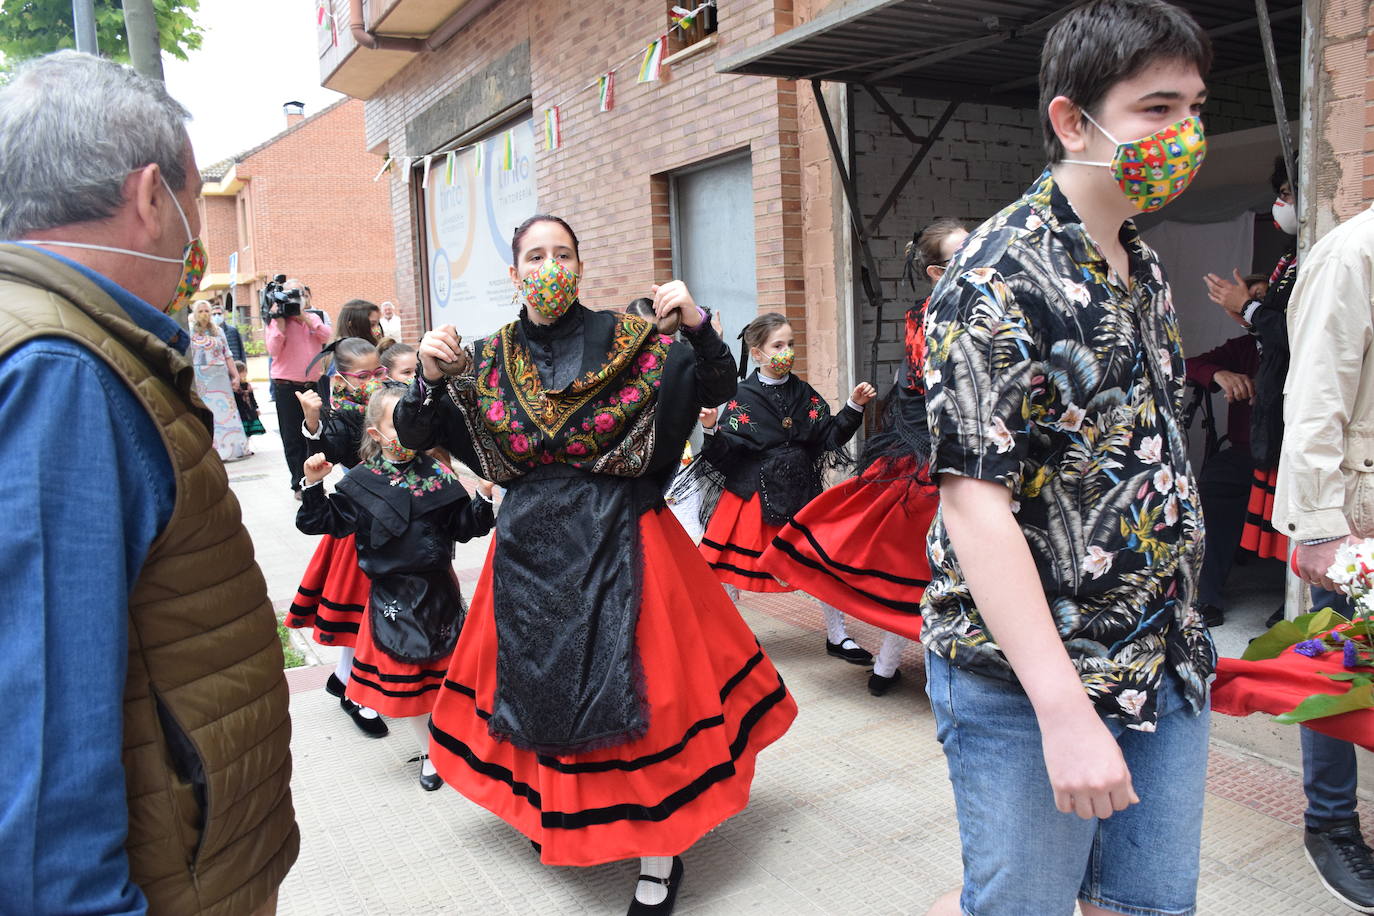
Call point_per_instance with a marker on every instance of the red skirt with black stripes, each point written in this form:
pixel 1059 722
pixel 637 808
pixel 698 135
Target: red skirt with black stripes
pixel 735 541
pixel 1259 536
pixel 860 547
pixel 393 688
pixel 332 594
pixel 714 701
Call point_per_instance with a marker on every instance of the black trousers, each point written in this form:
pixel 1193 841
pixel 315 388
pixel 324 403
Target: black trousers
pixel 1224 486
pixel 289 418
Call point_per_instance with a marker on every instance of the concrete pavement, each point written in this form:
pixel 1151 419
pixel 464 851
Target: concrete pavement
pixel 851 811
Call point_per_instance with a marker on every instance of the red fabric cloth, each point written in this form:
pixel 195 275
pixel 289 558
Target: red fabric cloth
pixel 860 547
pixel 1276 685
pixel 332 594
pixel 1259 536
pixel 735 541
pixel 714 701
pixel 393 688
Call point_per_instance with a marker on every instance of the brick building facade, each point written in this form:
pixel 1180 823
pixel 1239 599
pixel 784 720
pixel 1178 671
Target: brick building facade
pixel 303 203
pixel 612 175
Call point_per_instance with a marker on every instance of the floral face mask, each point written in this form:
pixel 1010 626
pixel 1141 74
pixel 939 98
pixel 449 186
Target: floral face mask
pixel 1154 170
pixel 780 363
pixel 551 290
pixel 397 452
pixel 348 397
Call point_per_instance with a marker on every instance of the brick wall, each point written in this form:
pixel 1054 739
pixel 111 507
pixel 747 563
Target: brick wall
pixel 985 157
pixel 609 177
pixel 1339 141
pixel 1368 169
pixel 317 214
pixel 220 232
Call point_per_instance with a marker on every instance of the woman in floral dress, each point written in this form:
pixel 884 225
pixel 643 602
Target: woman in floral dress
pixel 216 379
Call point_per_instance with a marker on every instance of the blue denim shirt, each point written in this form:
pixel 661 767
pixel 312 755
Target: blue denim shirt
pixel 88 488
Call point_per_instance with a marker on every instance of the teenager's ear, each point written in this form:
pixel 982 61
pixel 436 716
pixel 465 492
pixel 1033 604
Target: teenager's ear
pixel 1069 124
pixel 375 434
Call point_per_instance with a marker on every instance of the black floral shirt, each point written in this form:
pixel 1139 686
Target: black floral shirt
pixel 1050 373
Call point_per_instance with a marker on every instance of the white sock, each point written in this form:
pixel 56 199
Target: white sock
pixel 834 624
pixel 732 592
pixel 345 664
pixel 651 892
pixel 889 655
pixel 420 724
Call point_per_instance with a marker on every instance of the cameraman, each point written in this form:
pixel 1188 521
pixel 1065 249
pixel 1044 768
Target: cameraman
pixel 292 342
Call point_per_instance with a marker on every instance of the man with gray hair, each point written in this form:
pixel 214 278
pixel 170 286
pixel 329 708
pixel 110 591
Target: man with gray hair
pixel 147 761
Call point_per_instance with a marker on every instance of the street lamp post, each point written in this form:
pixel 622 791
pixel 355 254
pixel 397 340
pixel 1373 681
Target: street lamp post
pixel 83 22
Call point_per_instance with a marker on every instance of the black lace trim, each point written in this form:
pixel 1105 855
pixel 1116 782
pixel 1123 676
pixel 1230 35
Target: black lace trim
pixel 398 678
pixel 732 547
pixel 906 607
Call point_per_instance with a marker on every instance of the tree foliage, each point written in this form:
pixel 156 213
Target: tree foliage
pixel 30 28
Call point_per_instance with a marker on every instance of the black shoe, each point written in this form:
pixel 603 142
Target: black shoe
pixel 879 685
pixel 1212 615
pixel 373 728
pixel 1343 862
pixel 850 651
pixel 334 687
pixel 1274 617
pixel 671 882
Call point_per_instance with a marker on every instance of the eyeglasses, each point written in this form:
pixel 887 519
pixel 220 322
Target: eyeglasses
pixel 379 372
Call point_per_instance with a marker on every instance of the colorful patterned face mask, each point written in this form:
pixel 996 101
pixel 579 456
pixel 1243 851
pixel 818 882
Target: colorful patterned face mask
pixel 551 290
pixel 780 363
pixel 397 452
pixel 347 397
pixel 1154 170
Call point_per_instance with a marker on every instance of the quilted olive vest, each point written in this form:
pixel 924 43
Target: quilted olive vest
pixel 206 751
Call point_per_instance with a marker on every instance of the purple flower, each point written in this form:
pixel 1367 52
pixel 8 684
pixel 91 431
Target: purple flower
pixel 1352 654
pixel 1310 647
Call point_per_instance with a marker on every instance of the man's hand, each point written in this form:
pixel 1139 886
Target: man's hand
pixel 317 468
pixel 1087 772
pixel 442 353
pixel 310 407
pixel 1230 295
pixel 863 393
pixel 1235 386
pixel 673 296
pixel 1312 561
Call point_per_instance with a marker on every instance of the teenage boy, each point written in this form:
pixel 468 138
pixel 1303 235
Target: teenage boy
pixel 1067 663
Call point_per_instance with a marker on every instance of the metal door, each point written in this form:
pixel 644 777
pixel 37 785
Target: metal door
pixel 713 239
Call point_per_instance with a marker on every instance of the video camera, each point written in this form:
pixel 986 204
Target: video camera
pixel 278 302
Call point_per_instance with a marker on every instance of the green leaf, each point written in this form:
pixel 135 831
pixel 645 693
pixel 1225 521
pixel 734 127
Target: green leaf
pixel 1272 642
pixel 1322 705
pixel 1358 679
pixel 31 28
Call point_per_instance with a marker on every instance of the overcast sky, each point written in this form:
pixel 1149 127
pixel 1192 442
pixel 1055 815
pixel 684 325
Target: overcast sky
pixel 257 55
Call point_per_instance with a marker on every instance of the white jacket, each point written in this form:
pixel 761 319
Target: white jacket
pixel 1326 471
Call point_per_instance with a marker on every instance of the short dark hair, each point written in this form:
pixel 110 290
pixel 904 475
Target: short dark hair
pixel 1279 177
pixel 350 350
pixel 643 307
pixel 530 223
pixel 355 320
pixel 1099 44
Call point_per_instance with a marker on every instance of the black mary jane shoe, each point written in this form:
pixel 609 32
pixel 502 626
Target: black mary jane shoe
pixel 671 882
pixel 334 687
pixel 850 651
pixel 428 782
pixel 373 728
pixel 879 685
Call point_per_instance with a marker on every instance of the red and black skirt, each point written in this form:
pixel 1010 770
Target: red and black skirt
pixel 392 687
pixel 332 594
pixel 735 541
pixel 860 546
pixel 714 701
pixel 1260 536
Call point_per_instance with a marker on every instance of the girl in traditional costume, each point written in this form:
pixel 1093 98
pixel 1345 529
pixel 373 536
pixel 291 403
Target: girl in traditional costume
pixel 405 511
pixel 861 544
pixel 599 699
pixel 333 592
pixel 771 443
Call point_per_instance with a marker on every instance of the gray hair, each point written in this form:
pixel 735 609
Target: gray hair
pixel 72 128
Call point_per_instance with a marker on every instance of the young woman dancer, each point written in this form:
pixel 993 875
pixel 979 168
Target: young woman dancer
pixel 771 442
pixel 405 510
pixel 599 700
pixel 860 545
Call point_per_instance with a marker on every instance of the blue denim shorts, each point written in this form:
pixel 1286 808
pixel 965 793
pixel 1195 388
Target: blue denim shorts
pixel 1022 857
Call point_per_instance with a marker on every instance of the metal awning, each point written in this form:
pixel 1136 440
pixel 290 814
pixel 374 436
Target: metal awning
pixel 976 50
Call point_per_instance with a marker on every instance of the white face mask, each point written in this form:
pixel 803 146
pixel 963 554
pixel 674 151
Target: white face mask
pixel 1285 216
